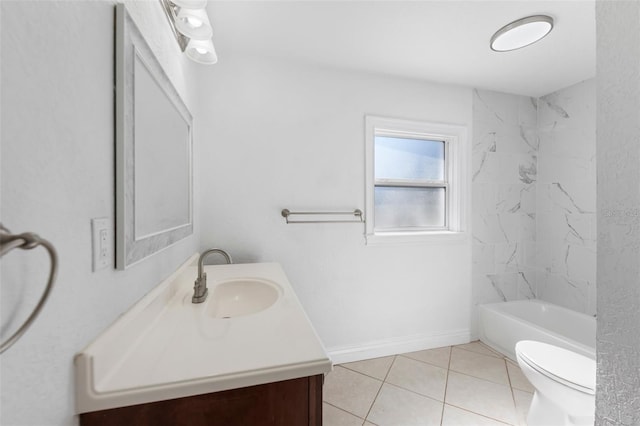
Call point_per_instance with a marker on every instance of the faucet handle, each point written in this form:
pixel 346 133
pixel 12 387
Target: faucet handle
pixel 200 290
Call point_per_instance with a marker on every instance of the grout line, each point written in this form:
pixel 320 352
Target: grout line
pixel 490 349
pixel 413 392
pixel 342 409
pixel 513 396
pixel 495 354
pixel 365 374
pixel 390 367
pixel 426 362
pixel 446 384
pixel 478 414
pixel 381 385
pixel 507 385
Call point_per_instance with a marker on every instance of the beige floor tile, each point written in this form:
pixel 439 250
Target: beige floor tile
pixel 518 379
pixel 377 367
pixel 395 407
pixel 479 365
pixel 454 416
pixel 332 416
pixel 419 377
pixel 350 391
pixel 438 356
pixel 480 348
pixel 481 396
pixel 523 401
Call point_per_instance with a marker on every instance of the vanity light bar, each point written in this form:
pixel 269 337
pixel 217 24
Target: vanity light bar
pixel 190 26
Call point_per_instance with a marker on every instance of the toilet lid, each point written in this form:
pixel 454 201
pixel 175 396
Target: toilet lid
pixel 567 367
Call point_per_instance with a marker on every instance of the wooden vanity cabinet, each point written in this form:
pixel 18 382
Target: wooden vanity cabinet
pixel 295 402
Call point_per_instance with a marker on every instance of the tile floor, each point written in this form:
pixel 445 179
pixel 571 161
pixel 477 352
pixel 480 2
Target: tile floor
pixel 456 385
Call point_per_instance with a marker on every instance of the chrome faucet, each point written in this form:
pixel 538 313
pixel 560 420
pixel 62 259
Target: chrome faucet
pixel 200 290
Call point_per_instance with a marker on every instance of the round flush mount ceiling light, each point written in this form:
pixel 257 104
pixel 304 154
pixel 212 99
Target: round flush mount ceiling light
pixel 521 33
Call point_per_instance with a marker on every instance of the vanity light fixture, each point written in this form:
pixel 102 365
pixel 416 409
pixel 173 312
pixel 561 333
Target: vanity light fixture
pixel 190 25
pixel 194 23
pixel 521 33
pixel 190 4
pixel 201 51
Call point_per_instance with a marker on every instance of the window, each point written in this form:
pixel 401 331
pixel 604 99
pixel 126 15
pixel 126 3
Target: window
pixel 414 179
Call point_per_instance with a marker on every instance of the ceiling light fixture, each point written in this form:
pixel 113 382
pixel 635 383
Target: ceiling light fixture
pixel 190 25
pixel 521 33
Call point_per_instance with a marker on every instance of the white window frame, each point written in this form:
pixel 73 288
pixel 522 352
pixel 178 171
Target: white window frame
pixel 455 138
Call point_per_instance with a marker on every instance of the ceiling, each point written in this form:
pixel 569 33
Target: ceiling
pixel 444 41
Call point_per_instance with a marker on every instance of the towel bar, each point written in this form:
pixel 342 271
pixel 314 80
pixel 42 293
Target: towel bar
pixel 357 213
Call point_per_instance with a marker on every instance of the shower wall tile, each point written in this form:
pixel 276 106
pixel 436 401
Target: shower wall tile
pixel 505 145
pixel 499 167
pixel 514 198
pixel 554 168
pixel 533 197
pixel 516 139
pixel 567 107
pixel 485 290
pixel 483 258
pixel 505 285
pixel 573 142
pixel 527 111
pixel 483 198
pixel 526 284
pixel 529 257
pixel 564 291
pixel 566 198
pixel 527 227
pixel 496 108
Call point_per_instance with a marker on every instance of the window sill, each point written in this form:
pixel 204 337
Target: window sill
pixel 431 237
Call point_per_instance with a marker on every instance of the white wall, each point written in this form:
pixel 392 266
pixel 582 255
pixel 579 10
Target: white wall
pixel 618 269
pixel 284 135
pixel 57 170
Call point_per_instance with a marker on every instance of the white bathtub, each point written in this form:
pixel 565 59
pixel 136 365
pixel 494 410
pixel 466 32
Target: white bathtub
pixel 502 325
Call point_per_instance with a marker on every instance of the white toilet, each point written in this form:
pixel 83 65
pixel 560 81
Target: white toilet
pixel 564 382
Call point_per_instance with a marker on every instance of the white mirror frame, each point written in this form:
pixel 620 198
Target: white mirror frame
pixel 130 45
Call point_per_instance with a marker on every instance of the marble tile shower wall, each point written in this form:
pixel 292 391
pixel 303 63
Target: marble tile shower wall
pixel 534 197
pixel 505 147
pixel 566 198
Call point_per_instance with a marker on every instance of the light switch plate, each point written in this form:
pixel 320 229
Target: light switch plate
pixel 101 243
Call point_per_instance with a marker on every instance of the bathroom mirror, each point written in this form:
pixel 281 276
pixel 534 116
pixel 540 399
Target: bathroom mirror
pixel 153 151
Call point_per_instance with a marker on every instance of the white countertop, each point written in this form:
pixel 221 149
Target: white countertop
pixel 166 347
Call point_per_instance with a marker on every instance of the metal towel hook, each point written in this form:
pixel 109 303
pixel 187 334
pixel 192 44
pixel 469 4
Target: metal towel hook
pixel 28 241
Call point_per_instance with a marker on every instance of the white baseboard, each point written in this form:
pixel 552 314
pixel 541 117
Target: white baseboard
pixel 397 345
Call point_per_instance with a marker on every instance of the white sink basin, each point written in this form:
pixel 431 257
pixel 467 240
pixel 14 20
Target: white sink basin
pixel 242 296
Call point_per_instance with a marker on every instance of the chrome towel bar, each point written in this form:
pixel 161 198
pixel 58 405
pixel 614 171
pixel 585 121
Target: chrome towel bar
pixel 27 241
pixel 357 213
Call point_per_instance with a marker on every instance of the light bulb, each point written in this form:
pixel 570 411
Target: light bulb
pixel 194 22
pixel 201 51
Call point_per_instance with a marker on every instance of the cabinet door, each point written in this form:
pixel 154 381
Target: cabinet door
pixel 287 403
